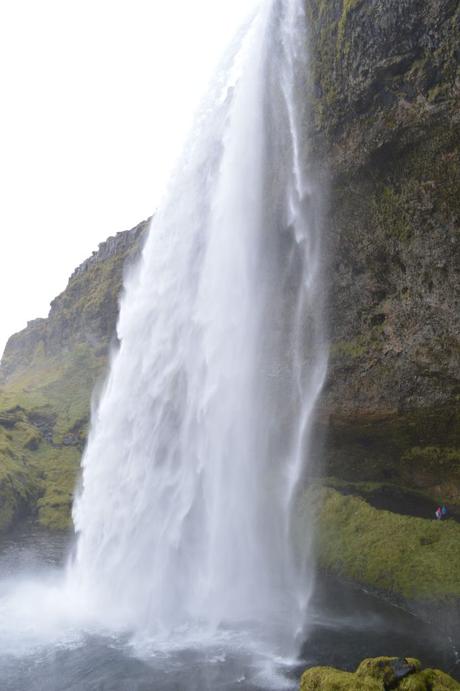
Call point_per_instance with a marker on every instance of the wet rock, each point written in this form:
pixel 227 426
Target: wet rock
pixel 385 128
pixel 388 670
pixel 382 674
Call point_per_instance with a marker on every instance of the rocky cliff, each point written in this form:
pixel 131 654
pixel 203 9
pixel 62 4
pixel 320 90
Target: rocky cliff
pixel 85 314
pixel 386 130
pixel 47 374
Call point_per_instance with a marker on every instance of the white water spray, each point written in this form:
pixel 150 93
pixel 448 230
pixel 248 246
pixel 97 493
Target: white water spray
pixel 201 437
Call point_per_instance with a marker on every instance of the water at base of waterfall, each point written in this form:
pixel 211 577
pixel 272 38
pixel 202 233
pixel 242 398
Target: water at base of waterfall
pixel 347 625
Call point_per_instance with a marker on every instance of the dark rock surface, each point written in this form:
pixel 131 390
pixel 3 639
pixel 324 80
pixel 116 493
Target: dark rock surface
pixel 386 129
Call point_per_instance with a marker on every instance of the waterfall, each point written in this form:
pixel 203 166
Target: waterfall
pixel 201 437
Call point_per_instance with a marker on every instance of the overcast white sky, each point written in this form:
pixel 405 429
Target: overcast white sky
pixel 96 99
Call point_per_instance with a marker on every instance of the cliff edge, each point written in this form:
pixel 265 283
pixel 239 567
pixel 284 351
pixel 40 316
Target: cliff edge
pixel 47 375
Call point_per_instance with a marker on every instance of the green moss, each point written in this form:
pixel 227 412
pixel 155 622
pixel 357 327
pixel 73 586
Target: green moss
pixel 59 389
pixel 33 440
pixel 413 557
pixel 58 470
pixel 347 7
pixel 349 349
pixel 40 473
pixel 391 212
pixel 47 376
pixel 16 489
pixel 330 679
pixel 429 680
pixel 17 486
pixel 441 459
pixel 36 478
pixel 382 669
pixel 377 674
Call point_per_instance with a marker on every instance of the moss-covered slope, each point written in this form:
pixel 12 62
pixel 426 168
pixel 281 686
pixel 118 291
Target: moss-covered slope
pixel 413 562
pixel 47 376
pixel 401 555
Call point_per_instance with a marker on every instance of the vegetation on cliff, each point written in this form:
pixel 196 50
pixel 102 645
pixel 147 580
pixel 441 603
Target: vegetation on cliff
pixel 386 130
pixel 402 556
pixel 47 376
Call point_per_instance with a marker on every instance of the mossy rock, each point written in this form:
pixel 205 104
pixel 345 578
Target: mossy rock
pixel 429 680
pixel 37 472
pixel 44 413
pixel 413 558
pixel 379 674
pixel 388 670
pixel 330 679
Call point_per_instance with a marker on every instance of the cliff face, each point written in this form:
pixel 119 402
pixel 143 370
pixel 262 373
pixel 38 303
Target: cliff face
pixel 47 374
pixel 85 314
pixel 386 129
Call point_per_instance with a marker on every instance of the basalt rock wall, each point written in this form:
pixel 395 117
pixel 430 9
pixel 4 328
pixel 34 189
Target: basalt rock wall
pixel 386 132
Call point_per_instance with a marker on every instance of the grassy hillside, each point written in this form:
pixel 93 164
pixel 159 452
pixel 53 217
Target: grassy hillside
pixel 47 376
